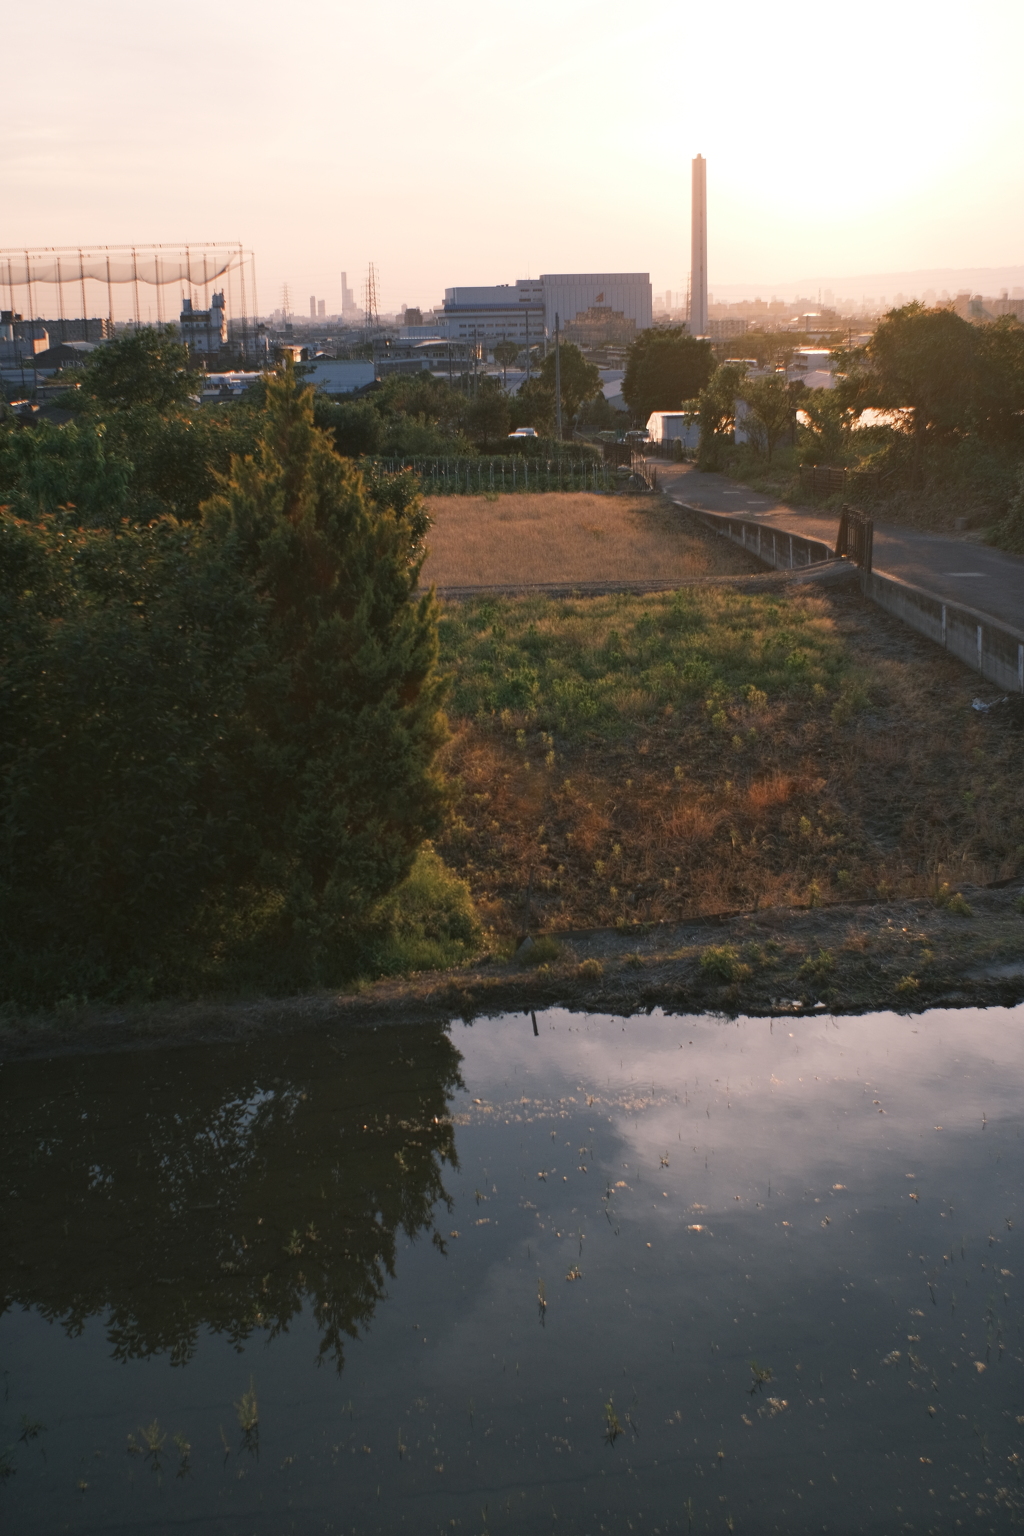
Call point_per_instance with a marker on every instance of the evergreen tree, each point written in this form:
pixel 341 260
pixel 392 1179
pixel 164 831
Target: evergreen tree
pixel 344 704
pixel 220 741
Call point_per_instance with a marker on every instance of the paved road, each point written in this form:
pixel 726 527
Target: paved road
pixel 956 569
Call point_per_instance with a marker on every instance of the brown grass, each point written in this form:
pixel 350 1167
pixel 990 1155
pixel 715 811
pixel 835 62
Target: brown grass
pixel 791 801
pixel 567 537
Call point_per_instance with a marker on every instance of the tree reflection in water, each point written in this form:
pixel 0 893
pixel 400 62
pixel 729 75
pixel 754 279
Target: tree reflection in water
pixel 222 1187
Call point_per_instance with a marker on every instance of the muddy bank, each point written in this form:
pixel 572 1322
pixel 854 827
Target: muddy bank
pixel 906 956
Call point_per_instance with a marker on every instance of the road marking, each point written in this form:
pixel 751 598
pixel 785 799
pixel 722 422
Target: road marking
pixel 957 574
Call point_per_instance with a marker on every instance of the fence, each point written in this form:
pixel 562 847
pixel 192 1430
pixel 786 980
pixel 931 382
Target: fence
pixel 856 537
pixel 475 477
pixel 821 480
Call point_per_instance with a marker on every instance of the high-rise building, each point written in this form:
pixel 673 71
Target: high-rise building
pixel 349 309
pixel 699 249
pixel 321 308
pixel 312 306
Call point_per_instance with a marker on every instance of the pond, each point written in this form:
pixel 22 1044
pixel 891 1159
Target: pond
pixel 556 1273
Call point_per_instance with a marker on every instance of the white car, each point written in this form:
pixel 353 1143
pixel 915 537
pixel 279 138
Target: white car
pixel 524 432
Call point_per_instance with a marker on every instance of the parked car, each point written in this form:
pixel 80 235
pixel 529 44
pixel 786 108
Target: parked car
pixel 524 432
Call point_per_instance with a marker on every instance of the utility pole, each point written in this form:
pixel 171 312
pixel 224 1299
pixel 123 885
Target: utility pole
pixel 558 383
pixel 527 343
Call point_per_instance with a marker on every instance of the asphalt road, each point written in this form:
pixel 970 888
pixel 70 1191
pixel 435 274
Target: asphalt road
pixel 956 569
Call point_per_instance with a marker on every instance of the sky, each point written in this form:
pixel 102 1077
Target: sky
pixel 458 142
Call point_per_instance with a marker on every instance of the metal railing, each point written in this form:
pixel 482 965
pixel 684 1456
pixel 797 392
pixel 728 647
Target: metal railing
pixel 856 538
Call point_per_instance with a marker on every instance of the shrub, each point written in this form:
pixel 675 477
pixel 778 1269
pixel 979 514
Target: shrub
pixel 590 970
pixel 952 901
pixel 721 962
pixel 542 951
pixel 819 967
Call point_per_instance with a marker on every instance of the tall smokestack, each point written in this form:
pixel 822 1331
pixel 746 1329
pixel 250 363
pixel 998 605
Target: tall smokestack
pixel 699 250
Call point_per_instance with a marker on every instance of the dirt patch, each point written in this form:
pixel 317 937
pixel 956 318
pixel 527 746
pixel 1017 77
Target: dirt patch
pixel 903 956
pixel 575 539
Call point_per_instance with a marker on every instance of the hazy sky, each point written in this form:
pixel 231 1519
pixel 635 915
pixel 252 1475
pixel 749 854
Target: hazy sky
pixel 461 142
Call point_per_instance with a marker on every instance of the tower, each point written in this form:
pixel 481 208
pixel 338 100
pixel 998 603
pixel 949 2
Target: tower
pixel 699 249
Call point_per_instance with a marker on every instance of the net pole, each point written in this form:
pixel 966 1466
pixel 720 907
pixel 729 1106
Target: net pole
pixel 85 305
pixel 156 275
pixel 255 301
pixel 28 280
pixel 110 296
pixel 241 281
pixel 135 280
pixel 60 303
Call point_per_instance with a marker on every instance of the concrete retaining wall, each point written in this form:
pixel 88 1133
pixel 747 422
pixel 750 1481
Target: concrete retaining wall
pixel 986 644
pixel 989 646
pixel 785 551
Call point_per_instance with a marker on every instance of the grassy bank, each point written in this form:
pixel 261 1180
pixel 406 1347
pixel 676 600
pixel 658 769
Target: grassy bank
pixel 649 759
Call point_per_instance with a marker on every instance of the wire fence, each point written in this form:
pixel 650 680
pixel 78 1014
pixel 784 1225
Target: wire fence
pixel 476 477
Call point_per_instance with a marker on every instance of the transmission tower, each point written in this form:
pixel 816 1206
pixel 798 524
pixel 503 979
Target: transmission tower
pixel 286 303
pixel 370 301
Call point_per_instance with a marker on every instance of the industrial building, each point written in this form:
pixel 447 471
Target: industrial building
pixel 503 312
pixel 575 295
pixel 591 307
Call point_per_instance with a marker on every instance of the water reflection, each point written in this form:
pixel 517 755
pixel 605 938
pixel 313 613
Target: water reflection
pixel 684 1275
pixel 222 1188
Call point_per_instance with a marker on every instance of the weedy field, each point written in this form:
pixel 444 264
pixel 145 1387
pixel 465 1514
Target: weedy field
pixel 635 759
pixel 568 537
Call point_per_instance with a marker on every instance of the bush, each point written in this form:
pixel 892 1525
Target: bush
pixel 1008 533
pixel 427 923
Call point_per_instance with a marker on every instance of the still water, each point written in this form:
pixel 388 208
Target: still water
pixel 571 1273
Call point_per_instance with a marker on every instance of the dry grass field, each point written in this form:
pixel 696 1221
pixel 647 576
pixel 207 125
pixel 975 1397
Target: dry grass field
pixel 567 537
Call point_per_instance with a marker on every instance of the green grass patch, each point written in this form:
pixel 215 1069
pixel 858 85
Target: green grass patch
pixel 606 664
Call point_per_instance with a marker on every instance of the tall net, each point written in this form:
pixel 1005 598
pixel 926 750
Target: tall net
pixel 142 283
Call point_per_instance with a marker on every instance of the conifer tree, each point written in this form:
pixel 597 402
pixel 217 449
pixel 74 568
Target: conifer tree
pixel 343 712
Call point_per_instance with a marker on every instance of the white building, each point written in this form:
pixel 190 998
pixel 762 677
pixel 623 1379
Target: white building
pixel 673 427
pixel 573 295
pixel 503 312
pixel 525 311
pixel 204 330
pixel 333 377
pixel 813 366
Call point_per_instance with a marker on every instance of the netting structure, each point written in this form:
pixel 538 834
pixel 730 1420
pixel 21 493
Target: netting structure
pixel 143 284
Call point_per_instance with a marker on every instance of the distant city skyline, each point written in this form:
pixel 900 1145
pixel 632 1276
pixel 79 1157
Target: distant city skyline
pixel 884 140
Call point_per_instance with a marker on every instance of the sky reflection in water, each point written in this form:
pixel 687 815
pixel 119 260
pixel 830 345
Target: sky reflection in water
pixel 685 1273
